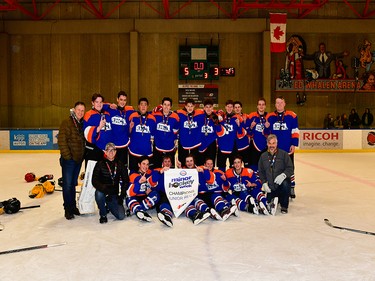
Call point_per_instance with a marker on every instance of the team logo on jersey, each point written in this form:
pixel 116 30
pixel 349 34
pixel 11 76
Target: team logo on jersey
pixel 163 127
pixel 117 120
pixel 259 128
pixel 207 129
pixel 212 186
pixel 239 187
pixel 280 126
pixel 142 129
pixel 144 187
pixel 190 124
pixel 228 128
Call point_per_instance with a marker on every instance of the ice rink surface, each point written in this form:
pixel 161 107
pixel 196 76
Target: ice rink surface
pixel 296 246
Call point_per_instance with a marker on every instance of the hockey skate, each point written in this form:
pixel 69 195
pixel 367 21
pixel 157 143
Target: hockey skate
pixel 143 216
pixel 225 213
pixel 252 206
pixel 165 219
pixel 272 206
pixel 199 217
pixel 236 210
pixel 215 215
pixel 263 209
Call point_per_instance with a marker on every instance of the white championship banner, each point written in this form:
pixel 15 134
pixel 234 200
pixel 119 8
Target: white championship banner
pixel 181 187
pixel 86 201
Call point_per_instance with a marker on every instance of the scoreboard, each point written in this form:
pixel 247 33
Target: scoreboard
pixel 199 62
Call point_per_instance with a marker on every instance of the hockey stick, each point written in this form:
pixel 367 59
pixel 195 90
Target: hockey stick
pixel 30 207
pixel 62 190
pixel 349 229
pixel 31 248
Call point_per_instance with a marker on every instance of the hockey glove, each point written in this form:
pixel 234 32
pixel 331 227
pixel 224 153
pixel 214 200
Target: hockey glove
pixel 266 188
pixel 49 186
pixel 280 178
pixel 37 191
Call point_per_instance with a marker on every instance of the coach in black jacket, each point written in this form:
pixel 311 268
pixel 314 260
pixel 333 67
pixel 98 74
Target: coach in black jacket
pixel 108 174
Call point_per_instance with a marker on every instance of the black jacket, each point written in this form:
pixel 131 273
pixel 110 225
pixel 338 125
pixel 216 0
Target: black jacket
pixel 107 175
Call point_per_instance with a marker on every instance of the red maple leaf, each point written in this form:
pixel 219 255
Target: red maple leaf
pixel 277 32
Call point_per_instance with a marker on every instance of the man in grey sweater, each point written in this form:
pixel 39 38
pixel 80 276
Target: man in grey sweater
pixel 275 169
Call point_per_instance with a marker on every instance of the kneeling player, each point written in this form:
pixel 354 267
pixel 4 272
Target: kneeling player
pixel 245 188
pixel 141 194
pixel 213 194
pixel 163 207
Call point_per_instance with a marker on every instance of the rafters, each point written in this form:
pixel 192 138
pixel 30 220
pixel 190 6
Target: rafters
pixel 233 9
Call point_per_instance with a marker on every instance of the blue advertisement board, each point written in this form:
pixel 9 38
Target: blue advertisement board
pixel 31 140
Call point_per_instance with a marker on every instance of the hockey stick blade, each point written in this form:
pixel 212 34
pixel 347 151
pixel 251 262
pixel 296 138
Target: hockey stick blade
pixel 32 248
pixel 348 229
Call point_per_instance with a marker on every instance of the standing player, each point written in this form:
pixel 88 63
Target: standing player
pixel 242 144
pixel 165 139
pixel 211 130
pixel 284 124
pixel 97 129
pixel 191 122
pixel 257 122
pixel 120 126
pixel 233 130
pixel 142 130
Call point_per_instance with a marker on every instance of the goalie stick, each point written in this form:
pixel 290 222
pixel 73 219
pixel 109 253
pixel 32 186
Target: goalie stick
pixel 31 248
pixel 349 229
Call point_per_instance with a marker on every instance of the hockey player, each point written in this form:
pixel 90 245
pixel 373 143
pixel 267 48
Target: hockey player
pixel 257 122
pixel 163 208
pixel 191 122
pixel 97 129
pixel 275 171
pixel 198 210
pixel 120 126
pixel 245 189
pixel 165 139
pixel 108 174
pixel 214 196
pixel 233 129
pixel 284 124
pixel 210 131
pixel 242 144
pixel 141 194
pixel 142 130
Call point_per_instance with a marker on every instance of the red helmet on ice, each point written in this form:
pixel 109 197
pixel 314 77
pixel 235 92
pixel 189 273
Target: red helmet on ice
pixel 29 177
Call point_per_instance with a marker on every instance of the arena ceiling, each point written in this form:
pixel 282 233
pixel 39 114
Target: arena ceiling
pixel 233 9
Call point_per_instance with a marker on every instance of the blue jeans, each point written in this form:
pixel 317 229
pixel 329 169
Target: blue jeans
pixel 70 173
pixel 103 200
pixel 283 192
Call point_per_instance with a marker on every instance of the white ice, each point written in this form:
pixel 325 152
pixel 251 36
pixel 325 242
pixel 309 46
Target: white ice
pixel 296 246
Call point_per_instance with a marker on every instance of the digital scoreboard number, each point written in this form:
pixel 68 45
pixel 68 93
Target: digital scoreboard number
pixel 199 63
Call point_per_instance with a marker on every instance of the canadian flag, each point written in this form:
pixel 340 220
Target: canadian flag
pixel 278 32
